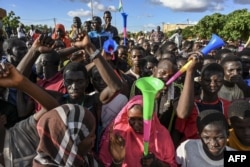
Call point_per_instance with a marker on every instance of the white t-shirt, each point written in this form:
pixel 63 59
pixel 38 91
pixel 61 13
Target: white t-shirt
pixel 177 39
pixel 20 32
pixel 190 153
pixel 31 32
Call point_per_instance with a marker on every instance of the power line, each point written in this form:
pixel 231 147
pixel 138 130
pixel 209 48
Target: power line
pixel 36 20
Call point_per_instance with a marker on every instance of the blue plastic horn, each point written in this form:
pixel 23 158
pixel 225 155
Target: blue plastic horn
pixel 214 43
pixel 110 46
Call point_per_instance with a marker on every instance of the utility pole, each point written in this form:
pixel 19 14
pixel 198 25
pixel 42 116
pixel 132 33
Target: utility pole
pixel 54 19
pixel 163 27
pixel 92 10
pixel 115 16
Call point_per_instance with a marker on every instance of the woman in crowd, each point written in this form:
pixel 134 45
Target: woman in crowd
pixel 209 150
pixel 67 135
pixel 122 142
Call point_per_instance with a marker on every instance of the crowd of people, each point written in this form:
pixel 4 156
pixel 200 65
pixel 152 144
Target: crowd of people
pixel 67 100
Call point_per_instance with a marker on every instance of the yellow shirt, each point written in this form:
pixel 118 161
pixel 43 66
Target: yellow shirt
pixel 234 142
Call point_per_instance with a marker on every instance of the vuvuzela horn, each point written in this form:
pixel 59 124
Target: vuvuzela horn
pixel 214 43
pixel 110 46
pixel 124 16
pixel 149 87
pixel 247 43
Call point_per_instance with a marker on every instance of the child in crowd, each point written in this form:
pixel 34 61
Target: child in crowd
pixel 239 115
pixel 190 105
pixel 209 150
pixel 18 144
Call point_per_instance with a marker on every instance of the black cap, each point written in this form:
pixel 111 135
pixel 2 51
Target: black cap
pixel 97 19
pixel 76 19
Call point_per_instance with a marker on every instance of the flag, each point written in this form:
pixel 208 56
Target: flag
pixel 120 7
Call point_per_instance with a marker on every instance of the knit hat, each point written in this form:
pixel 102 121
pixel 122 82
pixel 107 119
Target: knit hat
pixel 239 108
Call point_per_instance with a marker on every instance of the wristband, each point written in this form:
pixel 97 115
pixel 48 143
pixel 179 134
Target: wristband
pixel 93 55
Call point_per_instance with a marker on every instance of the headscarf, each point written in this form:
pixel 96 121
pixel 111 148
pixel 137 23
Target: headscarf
pixel 58 26
pixel 61 130
pixel 64 37
pixel 160 143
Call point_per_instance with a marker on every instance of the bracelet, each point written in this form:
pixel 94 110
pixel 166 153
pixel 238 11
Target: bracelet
pixel 95 54
pixel 117 163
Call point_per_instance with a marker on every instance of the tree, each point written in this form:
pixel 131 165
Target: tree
pixel 11 20
pixel 188 32
pixel 237 25
pixel 209 25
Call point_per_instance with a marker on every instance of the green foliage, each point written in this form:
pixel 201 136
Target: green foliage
pixel 235 25
pixel 188 32
pixel 11 20
pixel 209 25
pixel 170 33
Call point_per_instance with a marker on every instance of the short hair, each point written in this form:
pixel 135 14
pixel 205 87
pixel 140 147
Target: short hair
pixel 137 48
pixel 208 57
pixel 107 12
pixel 210 69
pixel 220 52
pixel 228 59
pixel 211 116
pixel 122 47
pixel 244 53
pixel 96 19
pixel 151 59
pixel 131 41
pixel 9 43
pixel 76 66
pixel 181 58
pixel 239 108
pixel 53 56
pixel 162 63
pixel 166 45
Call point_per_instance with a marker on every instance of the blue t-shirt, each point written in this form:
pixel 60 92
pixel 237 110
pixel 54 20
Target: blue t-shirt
pixel 98 38
pixel 247 81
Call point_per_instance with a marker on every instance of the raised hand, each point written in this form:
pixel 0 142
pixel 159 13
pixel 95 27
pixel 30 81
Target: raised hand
pixel 116 146
pixel 84 43
pixel 9 76
pixel 146 161
pixel 150 160
pixel 236 79
pixel 197 60
pixel 43 43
